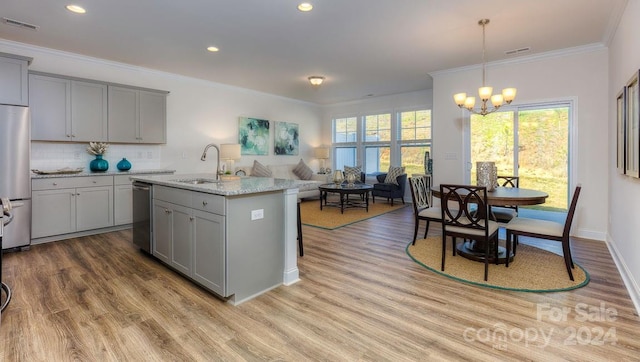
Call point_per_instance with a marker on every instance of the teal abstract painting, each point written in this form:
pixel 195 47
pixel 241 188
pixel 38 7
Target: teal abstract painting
pixel 253 136
pixel 286 140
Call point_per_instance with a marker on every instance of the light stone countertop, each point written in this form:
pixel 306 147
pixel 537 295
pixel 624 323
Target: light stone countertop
pixel 242 186
pixel 106 173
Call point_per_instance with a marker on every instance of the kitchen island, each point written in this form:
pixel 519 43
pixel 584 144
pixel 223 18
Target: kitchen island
pixel 236 238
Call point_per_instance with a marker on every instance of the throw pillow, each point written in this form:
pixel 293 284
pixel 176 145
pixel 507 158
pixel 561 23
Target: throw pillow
pixel 303 171
pixel 354 170
pixel 260 170
pixel 393 174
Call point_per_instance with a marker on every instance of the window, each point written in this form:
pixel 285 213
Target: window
pixel 414 140
pixel 377 141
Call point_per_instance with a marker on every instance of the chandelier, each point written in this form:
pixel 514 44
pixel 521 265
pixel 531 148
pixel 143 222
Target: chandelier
pixel 484 92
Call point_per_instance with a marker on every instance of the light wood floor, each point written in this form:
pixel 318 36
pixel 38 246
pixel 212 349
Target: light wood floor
pixel 360 298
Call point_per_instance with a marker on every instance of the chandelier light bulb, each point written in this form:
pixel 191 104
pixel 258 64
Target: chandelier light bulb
pixel 484 92
pixel 316 80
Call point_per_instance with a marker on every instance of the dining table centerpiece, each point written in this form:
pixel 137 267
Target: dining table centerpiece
pixel 98 149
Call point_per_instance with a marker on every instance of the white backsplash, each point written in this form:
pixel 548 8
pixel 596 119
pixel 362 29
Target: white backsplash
pixel 52 156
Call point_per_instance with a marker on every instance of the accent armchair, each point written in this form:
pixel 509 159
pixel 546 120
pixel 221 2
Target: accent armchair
pixel 389 191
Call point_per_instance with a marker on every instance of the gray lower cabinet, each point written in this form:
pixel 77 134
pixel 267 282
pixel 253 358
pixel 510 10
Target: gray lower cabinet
pixel 68 205
pixel 189 235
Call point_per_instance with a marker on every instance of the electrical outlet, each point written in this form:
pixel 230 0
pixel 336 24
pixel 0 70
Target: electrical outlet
pixel 76 155
pixel 139 154
pixel 184 155
pixel 149 155
pixel 450 156
pixel 257 214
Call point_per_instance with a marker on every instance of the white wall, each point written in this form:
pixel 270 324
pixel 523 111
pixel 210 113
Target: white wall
pixel 198 113
pixel 624 192
pixel 577 75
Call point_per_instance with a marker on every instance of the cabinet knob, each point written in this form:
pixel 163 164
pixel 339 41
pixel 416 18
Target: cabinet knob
pixel 204 203
pixel 167 211
pixel 72 135
pixel 55 184
pixel 95 182
pixel 78 194
pixel 191 218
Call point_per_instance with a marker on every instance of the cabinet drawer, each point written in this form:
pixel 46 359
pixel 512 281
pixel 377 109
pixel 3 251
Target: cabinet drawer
pixel 172 195
pixel 208 203
pixel 122 180
pixel 70 182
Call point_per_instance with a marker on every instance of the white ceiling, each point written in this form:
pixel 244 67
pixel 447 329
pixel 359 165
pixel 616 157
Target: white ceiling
pixel 362 47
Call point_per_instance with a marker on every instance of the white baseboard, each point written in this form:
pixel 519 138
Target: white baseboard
pixel 627 277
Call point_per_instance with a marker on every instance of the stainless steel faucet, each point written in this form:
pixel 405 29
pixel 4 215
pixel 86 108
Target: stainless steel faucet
pixel 204 157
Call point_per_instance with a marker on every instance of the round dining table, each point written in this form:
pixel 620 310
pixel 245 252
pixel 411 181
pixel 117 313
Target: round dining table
pixel 500 196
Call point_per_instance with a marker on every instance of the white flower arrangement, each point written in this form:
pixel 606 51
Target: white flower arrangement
pixel 97 148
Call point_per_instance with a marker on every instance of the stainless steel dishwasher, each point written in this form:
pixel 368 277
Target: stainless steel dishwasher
pixel 142 226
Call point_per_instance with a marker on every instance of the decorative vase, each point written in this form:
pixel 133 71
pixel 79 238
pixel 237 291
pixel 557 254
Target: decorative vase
pixel 351 179
pixel 124 165
pixel 99 164
pixel 338 177
pixel 486 175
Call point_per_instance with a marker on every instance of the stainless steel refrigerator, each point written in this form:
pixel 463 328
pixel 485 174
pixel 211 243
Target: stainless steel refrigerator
pixel 15 175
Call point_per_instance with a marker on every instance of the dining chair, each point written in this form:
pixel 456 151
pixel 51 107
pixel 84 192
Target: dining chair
pixel 465 214
pixel 543 229
pixel 504 214
pixel 421 207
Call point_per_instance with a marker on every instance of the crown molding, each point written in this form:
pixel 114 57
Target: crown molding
pixel 528 58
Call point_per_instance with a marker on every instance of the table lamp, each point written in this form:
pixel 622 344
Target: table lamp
pixel 230 152
pixel 321 153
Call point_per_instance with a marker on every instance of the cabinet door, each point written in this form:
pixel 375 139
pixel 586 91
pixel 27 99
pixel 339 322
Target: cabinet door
pixel 50 106
pixel 181 244
pixel 13 81
pixel 123 115
pixel 162 230
pixel 209 251
pixel 153 117
pixel 88 111
pixel 94 206
pixel 123 204
pixel 53 212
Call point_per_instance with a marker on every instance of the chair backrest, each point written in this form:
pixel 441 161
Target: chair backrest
pixel 572 211
pixel 464 206
pixel 419 193
pixel 508 181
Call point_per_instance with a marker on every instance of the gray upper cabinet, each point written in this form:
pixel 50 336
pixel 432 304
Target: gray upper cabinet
pixel 13 79
pixel 137 116
pixel 67 110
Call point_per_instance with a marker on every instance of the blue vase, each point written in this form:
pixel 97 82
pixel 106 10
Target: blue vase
pixel 99 164
pixel 124 165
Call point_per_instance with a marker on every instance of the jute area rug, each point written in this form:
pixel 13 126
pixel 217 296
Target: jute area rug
pixel 532 269
pixel 331 218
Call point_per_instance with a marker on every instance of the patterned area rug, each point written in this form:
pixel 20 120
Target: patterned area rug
pixel 331 218
pixel 532 269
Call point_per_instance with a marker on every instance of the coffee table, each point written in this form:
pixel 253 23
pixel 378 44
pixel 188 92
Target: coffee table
pixel 344 190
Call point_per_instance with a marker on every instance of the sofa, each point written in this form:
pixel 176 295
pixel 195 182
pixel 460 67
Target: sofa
pixel 285 171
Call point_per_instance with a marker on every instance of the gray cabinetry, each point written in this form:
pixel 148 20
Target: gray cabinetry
pixel 13 79
pixel 67 110
pixel 189 234
pixel 66 205
pixel 137 116
pixel 122 200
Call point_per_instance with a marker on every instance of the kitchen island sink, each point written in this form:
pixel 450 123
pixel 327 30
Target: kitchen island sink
pixel 238 239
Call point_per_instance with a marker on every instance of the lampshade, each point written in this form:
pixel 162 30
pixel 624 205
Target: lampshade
pixel 230 151
pixel 321 153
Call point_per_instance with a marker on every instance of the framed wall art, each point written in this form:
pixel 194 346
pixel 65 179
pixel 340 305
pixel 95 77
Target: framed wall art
pixel 632 129
pixel 253 136
pixel 286 139
pixel 621 125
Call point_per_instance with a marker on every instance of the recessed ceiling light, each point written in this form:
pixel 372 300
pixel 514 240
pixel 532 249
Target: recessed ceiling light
pixel 76 9
pixel 213 49
pixel 305 7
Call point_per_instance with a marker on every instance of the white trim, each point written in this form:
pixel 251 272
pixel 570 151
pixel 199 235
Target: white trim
pixel 527 59
pixel 626 275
